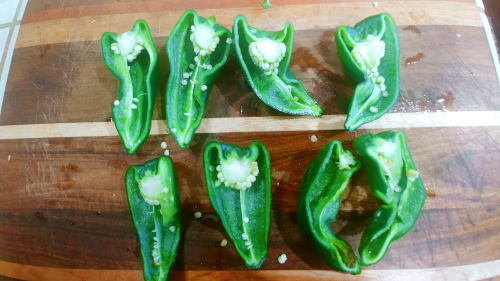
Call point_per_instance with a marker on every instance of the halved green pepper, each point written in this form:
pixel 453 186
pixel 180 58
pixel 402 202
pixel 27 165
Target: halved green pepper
pixel 369 53
pixel 326 178
pixel 155 205
pixel 197 50
pixel 264 58
pixel 133 60
pixel 239 186
pixel 394 179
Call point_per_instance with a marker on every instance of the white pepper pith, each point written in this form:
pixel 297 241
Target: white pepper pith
pixel 267 54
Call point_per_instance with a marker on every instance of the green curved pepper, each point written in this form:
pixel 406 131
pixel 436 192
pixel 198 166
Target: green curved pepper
pixel 239 186
pixel 326 178
pixel 394 179
pixel 155 205
pixel 133 60
pixel 197 50
pixel 369 53
pixel 264 58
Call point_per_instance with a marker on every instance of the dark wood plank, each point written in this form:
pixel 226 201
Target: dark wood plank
pixel 107 240
pixel 5 278
pixel 87 173
pixel 64 203
pixel 70 83
pixel 492 10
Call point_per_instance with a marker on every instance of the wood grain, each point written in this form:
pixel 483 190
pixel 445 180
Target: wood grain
pixel 54 9
pixel 63 173
pixel 84 240
pixel 70 83
pixel 470 272
pixel 64 213
pixel 304 17
pixel 69 209
pixel 261 124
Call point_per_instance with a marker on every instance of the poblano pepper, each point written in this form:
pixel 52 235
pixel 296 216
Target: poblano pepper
pixel 326 178
pixel 155 205
pixel 264 58
pixel 394 179
pixel 197 50
pixel 133 60
pixel 369 53
pixel 239 186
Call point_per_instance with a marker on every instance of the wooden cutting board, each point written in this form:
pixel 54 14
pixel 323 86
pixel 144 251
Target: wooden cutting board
pixel 64 212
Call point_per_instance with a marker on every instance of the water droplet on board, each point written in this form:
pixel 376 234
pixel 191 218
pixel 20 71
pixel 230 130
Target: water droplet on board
pixel 414 59
pixel 412 28
pixel 430 193
pixel 40 216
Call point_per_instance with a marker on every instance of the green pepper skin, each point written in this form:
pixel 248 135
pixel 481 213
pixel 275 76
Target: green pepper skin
pixel 403 195
pixel 234 205
pixel 185 104
pixel 319 202
pixel 138 85
pixel 164 218
pixel 272 89
pixel 367 94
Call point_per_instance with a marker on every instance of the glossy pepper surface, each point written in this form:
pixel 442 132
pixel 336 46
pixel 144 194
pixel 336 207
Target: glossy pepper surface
pixel 155 205
pixel 326 178
pixel 264 58
pixel 369 53
pixel 239 186
pixel 394 179
pixel 133 60
pixel 197 50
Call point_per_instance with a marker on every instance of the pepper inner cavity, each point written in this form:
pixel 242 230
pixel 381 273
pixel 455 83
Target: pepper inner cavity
pixel 130 47
pixel 367 55
pixel 386 153
pixel 236 173
pixel 346 160
pixel 204 42
pixel 156 247
pixel 267 54
pixel 152 189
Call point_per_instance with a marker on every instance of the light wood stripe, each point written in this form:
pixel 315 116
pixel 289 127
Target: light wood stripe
pixel 304 17
pixel 262 124
pixel 466 272
pixel 107 7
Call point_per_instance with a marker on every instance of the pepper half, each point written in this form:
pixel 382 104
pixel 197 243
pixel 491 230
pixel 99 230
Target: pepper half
pixel 394 179
pixel 369 53
pixel 264 58
pixel 132 58
pixel 326 178
pixel 155 204
pixel 239 186
pixel 197 50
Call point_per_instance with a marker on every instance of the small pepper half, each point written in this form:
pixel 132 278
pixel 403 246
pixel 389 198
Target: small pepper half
pixel 326 178
pixel 197 50
pixel 239 186
pixel 264 58
pixel 155 205
pixel 394 179
pixel 132 58
pixel 369 53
